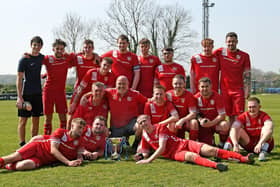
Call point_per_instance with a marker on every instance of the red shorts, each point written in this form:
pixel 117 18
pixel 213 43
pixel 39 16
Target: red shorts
pixel 254 141
pixel 206 135
pixel 234 101
pixel 188 146
pixel 33 151
pixel 56 98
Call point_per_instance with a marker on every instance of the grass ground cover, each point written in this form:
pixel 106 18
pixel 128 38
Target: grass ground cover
pixel 161 172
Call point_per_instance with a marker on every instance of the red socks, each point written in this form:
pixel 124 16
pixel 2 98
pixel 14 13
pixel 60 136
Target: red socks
pixel 47 129
pixel 229 155
pixel 2 163
pixel 62 124
pixel 205 162
pixel 193 135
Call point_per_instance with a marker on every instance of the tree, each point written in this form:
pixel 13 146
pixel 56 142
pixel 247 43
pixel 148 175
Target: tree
pixel 164 26
pixel 73 31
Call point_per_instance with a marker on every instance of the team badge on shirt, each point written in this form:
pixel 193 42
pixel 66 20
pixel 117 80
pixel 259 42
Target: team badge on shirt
pixel 182 100
pixel 260 122
pixel 174 68
pixel 129 58
pixel 88 133
pixel 115 54
pixel 97 138
pixel 214 60
pixel 105 78
pixel 64 137
pixel 80 60
pixel 90 108
pixel 153 109
pixel 238 57
pixel 114 97
pixel 199 102
pixel 94 76
pixel 128 98
pixel 151 60
pixel 212 102
pixel 76 142
pixel 51 60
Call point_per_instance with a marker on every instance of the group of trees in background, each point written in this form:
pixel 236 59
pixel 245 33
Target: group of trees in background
pixel 163 25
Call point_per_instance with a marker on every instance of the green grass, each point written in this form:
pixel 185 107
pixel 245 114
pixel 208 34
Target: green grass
pixel 161 172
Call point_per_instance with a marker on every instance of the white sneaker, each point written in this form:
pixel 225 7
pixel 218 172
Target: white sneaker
pixel 262 156
pixel 227 146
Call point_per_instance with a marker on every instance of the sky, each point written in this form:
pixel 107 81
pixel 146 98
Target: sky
pixel 256 23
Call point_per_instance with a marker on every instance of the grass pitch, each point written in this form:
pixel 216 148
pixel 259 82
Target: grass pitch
pixel 161 172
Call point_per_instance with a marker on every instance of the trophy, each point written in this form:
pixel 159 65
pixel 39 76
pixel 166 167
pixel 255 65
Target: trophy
pixel 114 144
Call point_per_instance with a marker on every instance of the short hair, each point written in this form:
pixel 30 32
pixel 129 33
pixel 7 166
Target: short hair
pixel 101 118
pixel 207 41
pixel 59 42
pixel 88 41
pixel 79 121
pixel 169 49
pixel 36 39
pixel 205 80
pixel 98 84
pixel 109 60
pixel 232 34
pixel 179 76
pixel 145 41
pixel 159 86
pixel 255 99
pixel 143 115
pixel 123 37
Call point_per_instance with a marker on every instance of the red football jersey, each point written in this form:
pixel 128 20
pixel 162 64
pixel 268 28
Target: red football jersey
pixel 212 107
pixel 90 111
pixel 123 109
pixel 159 113
pixel 56 72
pixel 232 65
pixel 165 73
pixel 83 65
pixel 184 104
pixel 93 142
pixel 253 126
pixel 124 64
pixel 173 143
pixel 205 66
pixel 147 67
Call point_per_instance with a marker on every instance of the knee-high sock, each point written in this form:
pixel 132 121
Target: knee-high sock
pixel 229 155
pixel 47 129
pixel 205 162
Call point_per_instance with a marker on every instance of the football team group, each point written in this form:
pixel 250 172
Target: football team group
pixel 146 98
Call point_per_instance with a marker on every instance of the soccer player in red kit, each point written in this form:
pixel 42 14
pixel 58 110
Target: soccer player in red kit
pixel 205 65
pixel 96 105
pixel 212 114
pixel 252 130
pixel 123 104
pixel 125 62
pixel 62 146
pixel 160 110
pixel 185 104
pixel 148 64
pixel 165 72
pixel 54 89
pixel 102 74
pixel 235 76
pixel 159 138
pixel 94 139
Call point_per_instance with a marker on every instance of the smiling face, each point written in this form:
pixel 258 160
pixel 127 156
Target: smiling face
pixel 98 126
pixel 88 49
pixel 97 92
pixel 231 43
pixel 77 129
pixel 167 56
pixel 35 48
pixel 123 44
pixel 205 89
pixel 253 108
pixel 159 96
pixel 144 121
pixel 178 85
pixel 144 48
pixel 122 85
pixel 58 50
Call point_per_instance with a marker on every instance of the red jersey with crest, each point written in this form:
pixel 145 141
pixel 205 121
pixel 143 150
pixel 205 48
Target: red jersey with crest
pixel 94 75
pixel 147 67
pixel 88 111
pixel 173 143
pixel 83 65
pixel 123 109
pixel 184 104
pixel 124 64
pixel 93 142
pixel 212 107
pixel 57 69
pixel 205 66
pixel 253 126
pixel 233 65
pixel 165 73
pixel 159 113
